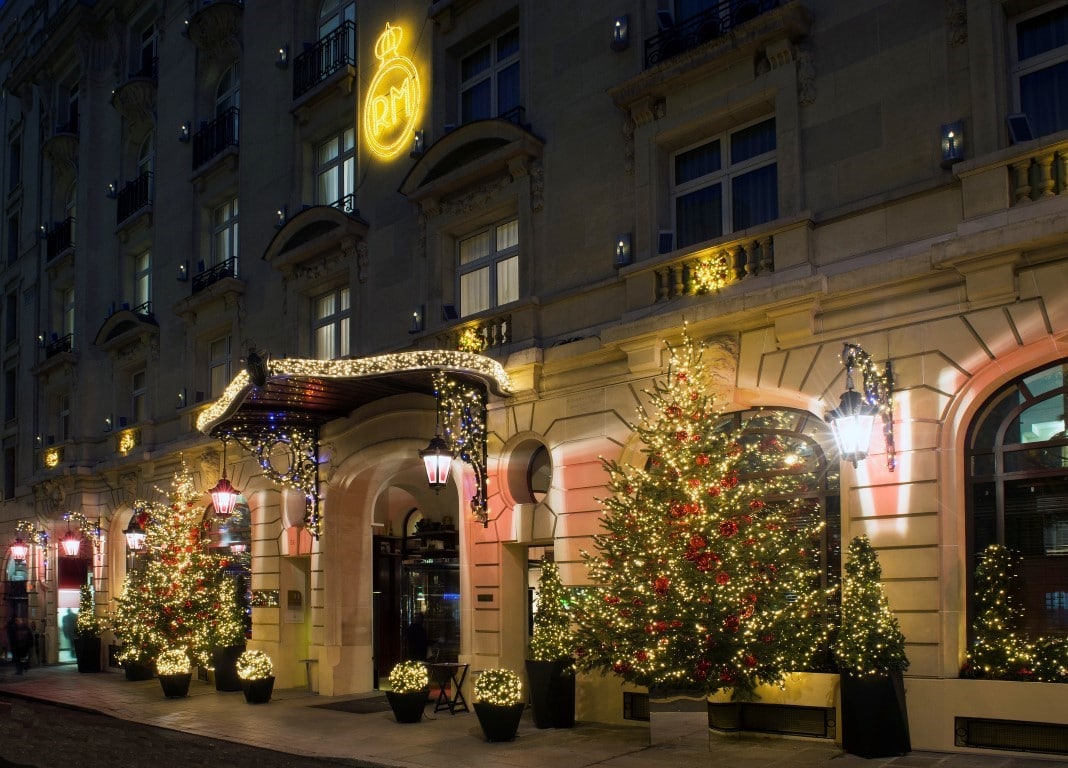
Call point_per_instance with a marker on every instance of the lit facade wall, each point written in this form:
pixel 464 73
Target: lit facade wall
pixel 281 227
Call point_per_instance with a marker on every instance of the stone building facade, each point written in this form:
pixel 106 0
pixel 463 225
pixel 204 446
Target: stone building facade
pixel 560 187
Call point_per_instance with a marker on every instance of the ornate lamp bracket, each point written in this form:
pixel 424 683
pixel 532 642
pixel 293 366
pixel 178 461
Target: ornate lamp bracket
pixel 462 410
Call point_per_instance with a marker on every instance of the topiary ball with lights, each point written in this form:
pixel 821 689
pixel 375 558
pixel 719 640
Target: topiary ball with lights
pixel 408 676
pixel 173 662
pixel 499 686
pixel 254 665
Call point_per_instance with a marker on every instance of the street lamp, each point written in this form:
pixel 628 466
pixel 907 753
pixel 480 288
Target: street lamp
pixel 19 549
pixel 854 418
pixel 135 533
pixel 224 495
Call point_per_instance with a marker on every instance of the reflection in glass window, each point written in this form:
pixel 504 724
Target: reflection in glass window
pixel 1017 464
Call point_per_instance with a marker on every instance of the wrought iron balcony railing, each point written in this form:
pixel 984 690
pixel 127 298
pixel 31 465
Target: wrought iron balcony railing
pixel 212 275
pixel 334 50
pixel 703 27
pixel 137 194
pixel 60 238
pixel 214 137
pixel 346 204
pixel 59 345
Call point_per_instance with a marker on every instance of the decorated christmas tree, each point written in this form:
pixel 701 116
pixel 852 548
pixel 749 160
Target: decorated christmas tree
pixel 706 570
pixel 994 646
pixel 88 624
pixel 179 598
pixel 552 638
pixel 870 641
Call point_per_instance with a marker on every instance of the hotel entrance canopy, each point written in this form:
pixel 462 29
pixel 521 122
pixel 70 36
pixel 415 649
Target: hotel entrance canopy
pixel 276 407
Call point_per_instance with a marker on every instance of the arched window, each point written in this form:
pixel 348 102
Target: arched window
pixel 228 91
pixel 334 13
pixel 146 154
pixel 1016 466
pixel 804 437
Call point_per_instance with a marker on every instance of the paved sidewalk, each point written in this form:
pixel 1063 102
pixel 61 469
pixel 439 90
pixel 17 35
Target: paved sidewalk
pixel 294 723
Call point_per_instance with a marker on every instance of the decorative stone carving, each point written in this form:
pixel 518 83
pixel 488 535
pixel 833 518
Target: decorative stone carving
pixel 806 77
pixel 129 482
pixel 628 146
pixel 362 260
pixel 721 358
pixel 537 186
pixel 956 22
pixel 210 467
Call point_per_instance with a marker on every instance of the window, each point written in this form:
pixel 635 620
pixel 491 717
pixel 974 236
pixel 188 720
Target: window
pixel 70 208
pixel 725 184
pixel 228 91
pixel 335 171
pixel 331 330
pixel 9 472
pixel 145 53
pixel 219 370
pixel 334 13
pixel 67 313
pixel 489 79
pixel 1039 44
pixel 146 155
pixel 12 238
pixel 816 500
pixel 11 318
pixel 10 394
pixel 138 395
pixel 224 233
pixel 1017 470
pixel 142 281
pixel 14 164
pixel 489 267
pixel 63 417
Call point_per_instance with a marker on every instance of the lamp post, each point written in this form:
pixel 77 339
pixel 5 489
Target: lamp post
pixel 19 550
pixel 224 495
pixel 854 418
pixel 135 534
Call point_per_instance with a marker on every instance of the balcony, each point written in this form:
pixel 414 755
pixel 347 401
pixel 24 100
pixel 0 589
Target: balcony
pixel 215 28
pixel 60 239
pixel 214 274
pixel 61 148
pixel 706 26
pixel 215 137
pixel 135 99
pixel 58 345
pixel 334 56
pixel 134 198
pixel 346 204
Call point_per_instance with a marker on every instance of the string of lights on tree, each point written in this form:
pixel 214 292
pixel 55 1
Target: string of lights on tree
pixel 462 410
pixel 999 649
pixel 552 639
pixel 706 569
pixel 869 641
pixel 178 597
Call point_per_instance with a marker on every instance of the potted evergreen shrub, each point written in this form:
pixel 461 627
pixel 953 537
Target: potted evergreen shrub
pixel 87 631
pixel 175 672
pixel 256 672
pixel 229 636
pixel 409 687
pixel 499 703
pixel 550 668
pixel 870 651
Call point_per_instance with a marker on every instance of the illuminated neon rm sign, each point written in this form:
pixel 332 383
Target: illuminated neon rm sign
pixel 394 99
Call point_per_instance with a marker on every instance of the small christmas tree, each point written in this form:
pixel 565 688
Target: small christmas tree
pixel 552 638
pixel 870 641
pixel 706 570
pixel 993 652
pixel 177 599
pixel 88 624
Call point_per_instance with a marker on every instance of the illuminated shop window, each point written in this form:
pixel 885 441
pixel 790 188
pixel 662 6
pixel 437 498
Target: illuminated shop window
pixel 1017 471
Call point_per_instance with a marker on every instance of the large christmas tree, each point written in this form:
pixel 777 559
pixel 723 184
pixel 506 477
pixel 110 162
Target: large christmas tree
pixel 707 568
pixel 179 598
